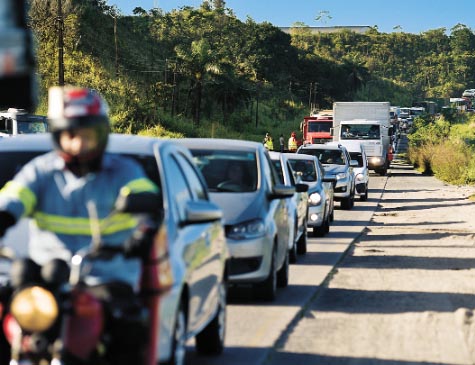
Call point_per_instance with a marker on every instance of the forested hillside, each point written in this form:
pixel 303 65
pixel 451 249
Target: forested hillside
pixel 203 72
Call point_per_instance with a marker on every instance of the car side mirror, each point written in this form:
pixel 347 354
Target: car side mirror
pixel 301 188
pixel 354 163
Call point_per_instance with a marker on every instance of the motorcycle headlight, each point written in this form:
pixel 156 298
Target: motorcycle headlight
pixel 34 308
pixel 315 199
pixel 247 230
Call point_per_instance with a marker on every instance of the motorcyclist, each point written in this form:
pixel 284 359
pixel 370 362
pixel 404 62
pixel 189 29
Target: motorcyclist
pixel 58 189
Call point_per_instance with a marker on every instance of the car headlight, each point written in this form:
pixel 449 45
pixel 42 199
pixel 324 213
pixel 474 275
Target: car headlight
pixel 315 199
pixel 247 230
pixel 34 308
pixel 359 177
pixel 341 175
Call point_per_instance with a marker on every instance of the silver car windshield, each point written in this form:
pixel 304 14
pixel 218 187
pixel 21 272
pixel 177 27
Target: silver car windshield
pixel 227 171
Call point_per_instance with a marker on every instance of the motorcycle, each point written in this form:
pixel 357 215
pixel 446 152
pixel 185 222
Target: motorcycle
pixel 70 323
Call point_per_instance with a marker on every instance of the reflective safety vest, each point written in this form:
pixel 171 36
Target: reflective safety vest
pixel 292 144
pixel 269 144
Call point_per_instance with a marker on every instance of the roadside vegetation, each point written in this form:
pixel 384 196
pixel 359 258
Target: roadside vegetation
pixel 445 147
pixel 201 72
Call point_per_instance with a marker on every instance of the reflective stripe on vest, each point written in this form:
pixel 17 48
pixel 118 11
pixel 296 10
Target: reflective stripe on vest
pixel 82 226
pixel 15 190
pixel 138 186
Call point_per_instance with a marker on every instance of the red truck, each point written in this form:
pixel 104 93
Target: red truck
pixel 316 128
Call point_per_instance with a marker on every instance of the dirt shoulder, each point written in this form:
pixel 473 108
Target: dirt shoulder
pixel 404 294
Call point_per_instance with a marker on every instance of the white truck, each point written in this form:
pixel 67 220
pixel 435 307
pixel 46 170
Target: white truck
pixel 17 121
pixel 367 123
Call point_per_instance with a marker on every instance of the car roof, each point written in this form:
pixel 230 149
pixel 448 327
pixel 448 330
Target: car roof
pixel 217 143
pixel 323 146
pixel 118 143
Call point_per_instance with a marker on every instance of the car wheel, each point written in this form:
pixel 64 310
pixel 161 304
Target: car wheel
pixel 332 213
pixel 302 242
pixel 283 273
pixel 346 203
pixel 293 250
pixel 179 338
pixel 267 290
pixel 364 197
pixel 211 339
pixel 324 228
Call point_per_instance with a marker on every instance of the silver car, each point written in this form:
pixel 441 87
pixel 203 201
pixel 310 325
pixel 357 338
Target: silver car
pixel 192 232
pixel 298 203
pixel 244 183
pixel 337 164
pixel 320 192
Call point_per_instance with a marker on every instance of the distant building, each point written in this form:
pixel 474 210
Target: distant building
pixel 352 28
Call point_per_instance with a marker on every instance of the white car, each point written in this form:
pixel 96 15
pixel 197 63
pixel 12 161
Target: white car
pixel 357 153
pixel 299 203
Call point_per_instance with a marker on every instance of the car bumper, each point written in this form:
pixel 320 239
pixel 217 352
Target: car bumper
pixel 315 215
pixel 375 162
pixel 249 260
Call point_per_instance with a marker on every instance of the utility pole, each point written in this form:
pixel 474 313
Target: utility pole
pixel 60 24
pixel 116 48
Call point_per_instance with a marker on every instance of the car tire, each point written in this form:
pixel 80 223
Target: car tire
pixel 283 273
pixel 302 242
pixel 346 203
pixel 178 338
pixel 267 290
pixel 210 340
pixel 364 197
pixel 293 250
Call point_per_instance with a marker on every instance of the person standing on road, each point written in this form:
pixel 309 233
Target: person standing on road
pixel 268 143
pixel 292 144
pixel 282 143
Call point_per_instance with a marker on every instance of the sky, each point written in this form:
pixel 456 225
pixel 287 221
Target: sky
pixel 410 16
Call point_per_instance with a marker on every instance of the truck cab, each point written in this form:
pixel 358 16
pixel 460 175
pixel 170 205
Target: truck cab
pixel 18 121
pixel 316 128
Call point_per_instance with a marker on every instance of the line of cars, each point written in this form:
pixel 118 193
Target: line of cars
pixel 233 214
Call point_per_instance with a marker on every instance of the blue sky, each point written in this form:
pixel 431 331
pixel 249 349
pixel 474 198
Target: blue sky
pixel 413 16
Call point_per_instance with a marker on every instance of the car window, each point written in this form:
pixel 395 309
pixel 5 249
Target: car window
pixel 227 171
pixel 178 188
pixel 306 168
pixel 357 156
pixel 280 173
pixel 327 156
pixel 199 190
pixel 12 162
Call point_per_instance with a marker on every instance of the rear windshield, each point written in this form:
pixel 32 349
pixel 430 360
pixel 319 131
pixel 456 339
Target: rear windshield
pixel 12 162
pixel 227 171
pixel 326 157
pixel 305 168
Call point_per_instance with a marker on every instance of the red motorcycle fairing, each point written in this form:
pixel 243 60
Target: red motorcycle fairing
pixel 84 326
pixel 11 328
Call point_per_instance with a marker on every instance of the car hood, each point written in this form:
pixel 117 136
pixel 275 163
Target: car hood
pixel 238 207
pixel 334 169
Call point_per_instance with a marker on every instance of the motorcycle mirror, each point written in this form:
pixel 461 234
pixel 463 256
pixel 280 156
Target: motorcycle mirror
pixel 139 203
